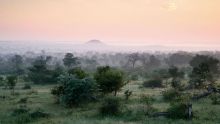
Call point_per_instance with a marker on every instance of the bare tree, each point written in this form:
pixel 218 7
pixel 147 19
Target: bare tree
pixel 133 58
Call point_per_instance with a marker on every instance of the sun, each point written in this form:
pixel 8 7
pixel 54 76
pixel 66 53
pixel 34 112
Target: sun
pixel 172 5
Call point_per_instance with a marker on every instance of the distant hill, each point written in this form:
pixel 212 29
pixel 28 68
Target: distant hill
pixel 95 42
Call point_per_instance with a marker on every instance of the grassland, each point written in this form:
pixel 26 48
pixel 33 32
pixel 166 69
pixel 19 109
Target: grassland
pixel 133 110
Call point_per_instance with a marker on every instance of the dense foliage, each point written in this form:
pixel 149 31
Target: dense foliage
pixel 109 79
pixel 153 83
pixel 110 106
pixel 73 91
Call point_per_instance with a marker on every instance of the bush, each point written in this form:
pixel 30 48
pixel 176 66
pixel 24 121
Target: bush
pixel 23 100
pixel 38 114
pixel 153 83
pixel 149 110
pixel 24 115
pixel 26 86
pixel 73 91
pixel 127 94
pixel 215 99
pixel 110 106
pixel 178 111
pixel 78 72
pixel 171 95
pixel 11 81
pixel 20 110
pixel 1 81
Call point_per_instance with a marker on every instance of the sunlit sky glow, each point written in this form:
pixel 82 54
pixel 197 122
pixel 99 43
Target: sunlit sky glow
pixel 157 22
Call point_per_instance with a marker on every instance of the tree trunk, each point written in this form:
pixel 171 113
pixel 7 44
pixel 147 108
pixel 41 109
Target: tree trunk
pixel 115 93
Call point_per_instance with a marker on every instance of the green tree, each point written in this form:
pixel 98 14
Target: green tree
pixel 78 72
pixel 176 76
pixel 73 91
pixel 17 61
pixel 109 79
pixel 1 81
pixel 39 72
pixel 11 82
pixel 70 61
pixel 205 71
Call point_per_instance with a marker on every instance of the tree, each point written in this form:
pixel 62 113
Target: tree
pixel 133 58
pixel 17 61
pixel 1 81
pixel 73 91
pixel 69 60
pixel 109 79
pixel 78 72
pixel 176 77
pixel 39 72
pixel 153 62
pixel 11 82
pixel 205 71
pixel 179 59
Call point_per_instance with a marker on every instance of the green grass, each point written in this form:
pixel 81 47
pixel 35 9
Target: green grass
pixel 132 113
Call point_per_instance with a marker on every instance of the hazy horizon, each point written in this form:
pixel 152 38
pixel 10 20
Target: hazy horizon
pixel 126 22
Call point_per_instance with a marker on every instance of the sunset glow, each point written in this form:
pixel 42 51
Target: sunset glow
pixel 157 22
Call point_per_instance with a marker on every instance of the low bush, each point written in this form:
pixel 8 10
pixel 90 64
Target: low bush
pixel 178 110
pixel 110 106
pixel 154 83
pixel 20 110
pixel 38 114
pixel 23 100
pixel 26 86
pixel 127 94
pixel 32 92
pixel 146 99
pixel 1 81
pixel 171 95
pixel 148 108
pixel 215 98
pixel 24 115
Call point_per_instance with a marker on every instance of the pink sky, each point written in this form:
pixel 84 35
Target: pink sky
pixel 158 22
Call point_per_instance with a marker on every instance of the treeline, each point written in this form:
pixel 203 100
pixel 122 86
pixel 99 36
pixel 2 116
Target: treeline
pixel 135 65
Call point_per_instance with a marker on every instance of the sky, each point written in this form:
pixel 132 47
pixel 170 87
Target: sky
pixel 154 22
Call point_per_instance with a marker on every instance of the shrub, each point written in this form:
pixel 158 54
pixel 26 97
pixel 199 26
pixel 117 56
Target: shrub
pixel 134 77
pixel 78 72
pixel 24 115
pixel 32 92
pixel 147 99
pixel 171 95
pixel 23 100
pixel 149 110
pixel 26 86
pixel 127 93
pixel 178 111
pixel 153 83
pixel 110 106
pixel 20 110
pixel 38 114
pixel 215 99
pixel 1 81
pixel 73 91
pixel 11 81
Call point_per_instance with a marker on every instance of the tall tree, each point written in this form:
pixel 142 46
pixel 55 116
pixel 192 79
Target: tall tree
pixel 205 71
pixel 11 82
pixel 133 58
pixel 70 61
pixel 17 61
pixel 109 79
pixel 39 72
